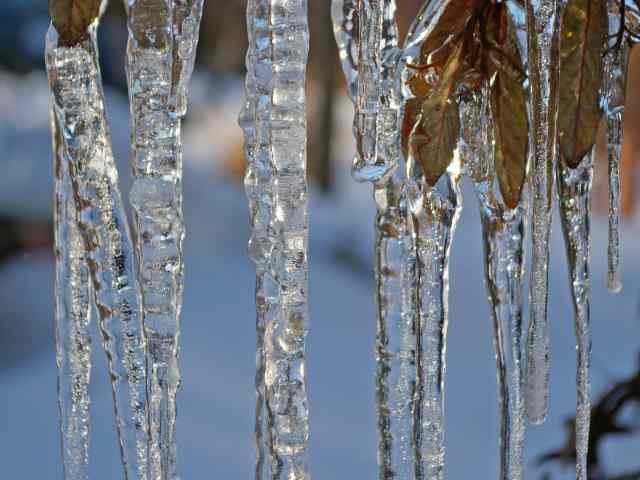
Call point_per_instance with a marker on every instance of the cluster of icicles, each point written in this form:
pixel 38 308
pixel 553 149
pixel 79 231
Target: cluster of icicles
pixel 135 284
pixel 415 224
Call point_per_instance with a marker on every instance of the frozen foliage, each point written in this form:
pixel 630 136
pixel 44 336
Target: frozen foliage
pixel 274 122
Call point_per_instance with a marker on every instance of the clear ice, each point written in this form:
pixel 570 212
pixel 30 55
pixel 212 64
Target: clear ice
pixel 274 122
pixel 542 27
pixel 395 272
pixel 163 37
pixel 503 231
pixel 72 321
pixel 574 189
pixel 74 77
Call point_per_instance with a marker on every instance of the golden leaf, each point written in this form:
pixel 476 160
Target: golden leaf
pixel 435 135
pixel 582 39
pixel 71 19
pixel 504 68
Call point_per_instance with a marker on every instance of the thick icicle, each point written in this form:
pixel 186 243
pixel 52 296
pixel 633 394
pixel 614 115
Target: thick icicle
pixel 394 248
pixel 435 214
pixel 574 188
pixel 274 120
pixel 163 36
pixel 503 234
pixel 75 81
pixel 72 322
pixel 542 27
pixel 616 64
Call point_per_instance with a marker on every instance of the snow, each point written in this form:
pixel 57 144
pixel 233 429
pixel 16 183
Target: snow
pixel 216 403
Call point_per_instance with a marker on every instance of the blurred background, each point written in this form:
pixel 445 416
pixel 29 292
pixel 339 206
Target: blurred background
pixel 217 399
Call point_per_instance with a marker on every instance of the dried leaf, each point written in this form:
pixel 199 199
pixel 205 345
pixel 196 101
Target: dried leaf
pixel 439 44
pixel 72 18
pixel 504 68
pixel 435 136
pixel 584 30
pixel 152 23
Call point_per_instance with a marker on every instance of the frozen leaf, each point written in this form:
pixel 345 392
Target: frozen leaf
pixel 584 30
pixel 72 18
pixel 435 136
pixel 508 104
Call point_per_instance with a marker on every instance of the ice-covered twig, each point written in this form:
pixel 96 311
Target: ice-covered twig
pixel 75 81
pixel 163 36
pixel 274 121
pixel 72 321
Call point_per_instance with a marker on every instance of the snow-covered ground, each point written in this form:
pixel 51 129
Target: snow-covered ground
pixel 217 398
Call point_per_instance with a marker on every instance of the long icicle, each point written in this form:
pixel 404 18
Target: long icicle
pixel 279 36
pixel 394 247
pixel 74 77
pixel 259 180
pixel 542 44
pixel 616 64
pixel 503 235
pixel 72 321
pixel 574 188
pixel 163 36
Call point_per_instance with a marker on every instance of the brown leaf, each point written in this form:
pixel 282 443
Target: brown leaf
pixel 439 44
pixel 583 34
pixel 71 19
pixel 504 68
pixel 152 22
pixel 435 136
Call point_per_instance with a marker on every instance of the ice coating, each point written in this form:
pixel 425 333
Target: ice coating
pixel 574 189
pixel 75 82
pixel 72 321
pixel 376 105
pixel 274 122
pixel 163 36
pixel 503 234
pixel 542 27
pixel 345 30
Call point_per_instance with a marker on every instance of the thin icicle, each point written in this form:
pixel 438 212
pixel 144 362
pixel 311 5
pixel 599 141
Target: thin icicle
pixel 503 234
pixel 274 121
pixel 72 322
pixel 75 81
pixel 574 189
pixel 163 36
pixel 616 64
pixel 394 248
pixel 542 26
pixel 375 112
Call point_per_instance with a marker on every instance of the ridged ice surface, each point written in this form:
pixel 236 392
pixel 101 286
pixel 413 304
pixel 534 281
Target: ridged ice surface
pixel 574 189
pixel 542 18
pixel 163 36
pixel 72 321
pixel 503 233
pixel 74 77
pixel 274 122
pixel 376 105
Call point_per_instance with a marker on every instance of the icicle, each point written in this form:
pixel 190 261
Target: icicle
pixel 377 53
pixel 274 122
pixel 574 188
pixel 163 36
pixel 79 107
pixel 72 322
pixel 503 234
pixel 616 64
pixel 394 248
pixel 542 20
